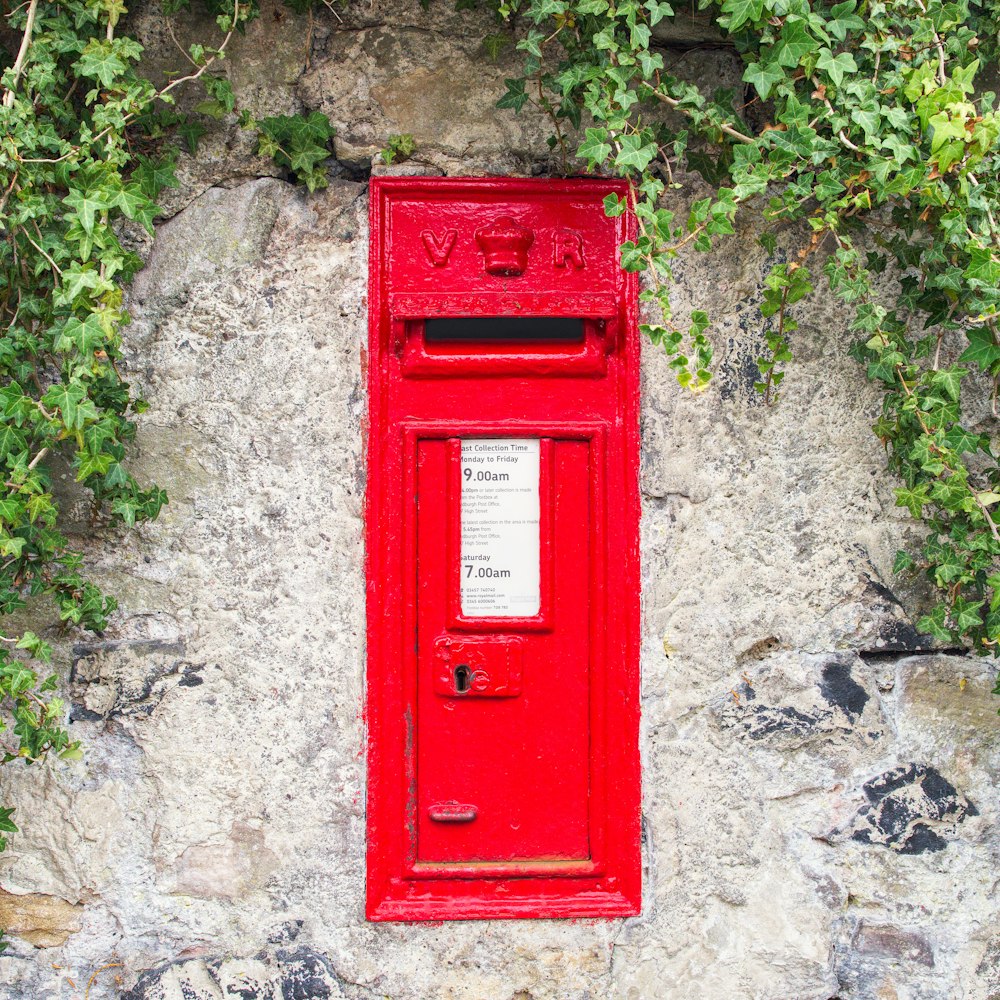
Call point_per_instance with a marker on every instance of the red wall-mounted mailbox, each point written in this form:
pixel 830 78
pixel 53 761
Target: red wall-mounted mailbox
pixel 503 586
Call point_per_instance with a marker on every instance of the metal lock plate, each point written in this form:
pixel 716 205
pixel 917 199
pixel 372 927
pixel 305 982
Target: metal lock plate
pixel 478 667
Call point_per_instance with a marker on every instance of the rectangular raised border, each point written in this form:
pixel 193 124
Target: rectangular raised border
pixel 457 619
pixel 598 806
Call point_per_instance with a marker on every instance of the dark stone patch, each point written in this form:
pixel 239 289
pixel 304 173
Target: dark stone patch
pixel 306 975
pixel 900 636
pixel 739 372
pixel 882 591
pixel 286 933
pixel 839 704
pixel 145 984
pixel 291 974
pixel 894 942
pixel 77 713
pixel 895 632
pixel 244 992
pixel 923 840
pixel 740 710
pixel 121 678
pixel 878 788
pixel 352 170
pixel 763 720
pixel 909 809
pixel 840 689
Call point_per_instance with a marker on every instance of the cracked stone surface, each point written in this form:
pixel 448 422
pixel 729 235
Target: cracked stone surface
pixel 820 810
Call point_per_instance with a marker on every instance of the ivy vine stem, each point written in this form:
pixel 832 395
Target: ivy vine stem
pixel 723 127
pixel 22 52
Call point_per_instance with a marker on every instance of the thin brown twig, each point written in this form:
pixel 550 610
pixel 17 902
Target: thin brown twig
pixel 672 102
pixel 22 53
pixel 332 10
pixel 55 266
pixel 7 193
pixel 97 972
pixel 180 48
pixel 840 135
pixel 546 106
pixel 942 72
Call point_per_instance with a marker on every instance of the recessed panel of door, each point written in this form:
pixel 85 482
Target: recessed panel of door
pixel 503 706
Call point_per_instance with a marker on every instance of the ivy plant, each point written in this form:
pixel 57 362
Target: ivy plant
pixel 78 155
pixel 398 149
pixel 865 124
pixel 86 143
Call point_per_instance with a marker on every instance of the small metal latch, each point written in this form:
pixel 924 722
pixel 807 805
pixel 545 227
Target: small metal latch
pixel 452 812
pixel 478 666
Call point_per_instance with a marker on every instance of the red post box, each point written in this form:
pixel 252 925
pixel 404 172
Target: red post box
pixel 502 530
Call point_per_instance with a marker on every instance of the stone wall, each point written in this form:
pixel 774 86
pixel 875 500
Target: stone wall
pixel 819 799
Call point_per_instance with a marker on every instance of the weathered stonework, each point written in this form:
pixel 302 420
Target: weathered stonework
pixel 43 921
pixel 820 810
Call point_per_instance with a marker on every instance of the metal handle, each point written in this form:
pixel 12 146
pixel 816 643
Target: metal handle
pixel 452 812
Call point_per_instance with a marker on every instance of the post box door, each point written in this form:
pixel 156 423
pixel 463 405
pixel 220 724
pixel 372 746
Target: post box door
pixel 503 707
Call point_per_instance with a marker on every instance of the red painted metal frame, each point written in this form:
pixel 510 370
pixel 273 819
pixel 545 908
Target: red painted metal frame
pixel 425 263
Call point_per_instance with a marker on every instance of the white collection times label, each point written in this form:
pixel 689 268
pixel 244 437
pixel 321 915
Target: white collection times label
pixel 500 533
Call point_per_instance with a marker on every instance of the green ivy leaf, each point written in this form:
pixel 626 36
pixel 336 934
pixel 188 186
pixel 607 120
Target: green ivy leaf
pixel 72 402
pixel 87 203
pixel 983 269
pixel 100 61
pixel 595 149
pixel 913 499
pixel 614 206
pixel 636 152
pixel 902 562
pixel 982 350
pixel 516 96
pixel 83 336
pixel 763 76
pixel 794 44
pixel 6 823
pixel 934 626
pixel 740 12
pixel 658 10
pixel 836 66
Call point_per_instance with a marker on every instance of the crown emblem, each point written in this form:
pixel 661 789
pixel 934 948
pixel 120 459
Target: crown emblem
pixel 505 244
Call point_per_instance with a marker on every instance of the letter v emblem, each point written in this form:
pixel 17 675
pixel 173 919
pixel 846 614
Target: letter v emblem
pixel 439 250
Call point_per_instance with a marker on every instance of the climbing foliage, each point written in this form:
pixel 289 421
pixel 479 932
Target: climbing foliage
pixel 866 124
pixel 80 154
pixel 87 146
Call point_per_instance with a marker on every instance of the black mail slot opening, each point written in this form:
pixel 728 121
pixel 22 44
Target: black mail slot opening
pixel 503 330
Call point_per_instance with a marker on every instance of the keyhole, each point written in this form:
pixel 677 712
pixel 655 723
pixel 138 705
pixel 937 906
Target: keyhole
pixel 463 678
